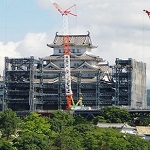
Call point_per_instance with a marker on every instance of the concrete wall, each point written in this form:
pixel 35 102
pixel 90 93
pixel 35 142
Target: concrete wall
pixel 138 88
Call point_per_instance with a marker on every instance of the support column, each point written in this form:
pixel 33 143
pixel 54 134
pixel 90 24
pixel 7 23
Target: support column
pixel 98 94
pixel 31 91
pixel 59 90
pixel 79 85
pixel 41 82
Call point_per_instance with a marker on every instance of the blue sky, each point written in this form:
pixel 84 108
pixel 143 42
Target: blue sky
pixel 19 17
pixel 120 29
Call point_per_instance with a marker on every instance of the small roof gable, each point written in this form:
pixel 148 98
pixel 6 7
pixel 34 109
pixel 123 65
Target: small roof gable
pixel 86 65
pixel 52 66
pixel 75 40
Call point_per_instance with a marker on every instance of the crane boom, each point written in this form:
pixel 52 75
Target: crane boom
pixel 66 46
pixel 148 13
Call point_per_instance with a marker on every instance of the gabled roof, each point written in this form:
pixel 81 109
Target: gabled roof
pixel 86 65
pixel 75 40
pixel 52 66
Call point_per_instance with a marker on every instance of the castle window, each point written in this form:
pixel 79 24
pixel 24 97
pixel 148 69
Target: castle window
pixel 84 66
pixel 78 51
pixel 60 51
pixel 76 64
pixel 61 65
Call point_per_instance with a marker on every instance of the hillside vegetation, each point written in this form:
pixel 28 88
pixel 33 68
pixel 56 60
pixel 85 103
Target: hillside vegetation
pixel 61 131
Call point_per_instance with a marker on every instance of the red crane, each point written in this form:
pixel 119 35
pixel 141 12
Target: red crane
pixel 148 13
pixel 66 46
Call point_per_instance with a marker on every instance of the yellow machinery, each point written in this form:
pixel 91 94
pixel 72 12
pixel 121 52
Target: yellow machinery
pixel 78 105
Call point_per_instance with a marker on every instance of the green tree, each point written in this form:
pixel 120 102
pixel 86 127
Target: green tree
pixel 8 123
pixel 115 114
pixel 136 143
pixel 36 123
pixel 68 139
pixel 143 121
pixel 32 141
pixel 59 120
pixel 4 145
pixel 98 119
pixel 80 120
pixel 105 139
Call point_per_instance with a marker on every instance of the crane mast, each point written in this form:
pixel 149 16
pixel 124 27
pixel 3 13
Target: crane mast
pixel 66 47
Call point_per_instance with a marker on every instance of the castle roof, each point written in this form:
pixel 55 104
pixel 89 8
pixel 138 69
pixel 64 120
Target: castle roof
pixel 75 40
pixel 74 57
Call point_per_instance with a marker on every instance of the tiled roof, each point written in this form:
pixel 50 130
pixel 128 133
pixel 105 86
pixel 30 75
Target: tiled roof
pixel 74 57
pixel 77 40
pixel 143 130
pixel 73 79
pixel 87 66
pixel 113 125
pixel 52 66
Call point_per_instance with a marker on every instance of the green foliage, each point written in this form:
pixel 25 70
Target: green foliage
pixel 105 139
pixel 143 121
pixel 68 133
pixel 32 141
pixel 114 114
pixel 35 123
pixel 136 143
pixel 59 120
pixel 98 119
pixel 68 139
pixel 4 145
pixel 80 120
pixel 8 123
pixel 83 128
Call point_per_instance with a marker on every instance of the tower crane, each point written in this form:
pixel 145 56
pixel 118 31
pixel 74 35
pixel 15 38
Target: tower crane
pixel 148 13
pixel 66 46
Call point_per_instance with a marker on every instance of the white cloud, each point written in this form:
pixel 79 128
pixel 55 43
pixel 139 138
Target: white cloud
pixel 7 50
pixel 33 44
pixel 119 29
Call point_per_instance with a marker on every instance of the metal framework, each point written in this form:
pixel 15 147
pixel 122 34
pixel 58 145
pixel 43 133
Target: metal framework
pixel 122 77
pixel 21 92
pixel 28 86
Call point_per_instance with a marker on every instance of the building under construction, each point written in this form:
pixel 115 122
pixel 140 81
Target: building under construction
pixel 31 84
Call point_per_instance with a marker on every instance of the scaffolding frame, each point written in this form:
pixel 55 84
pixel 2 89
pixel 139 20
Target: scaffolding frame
pixel 123 81
pixel 20 89
pixel 27 86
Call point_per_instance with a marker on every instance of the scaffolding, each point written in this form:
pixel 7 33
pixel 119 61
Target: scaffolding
pixel 30 86
pixel 122 73
pixel 21 92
